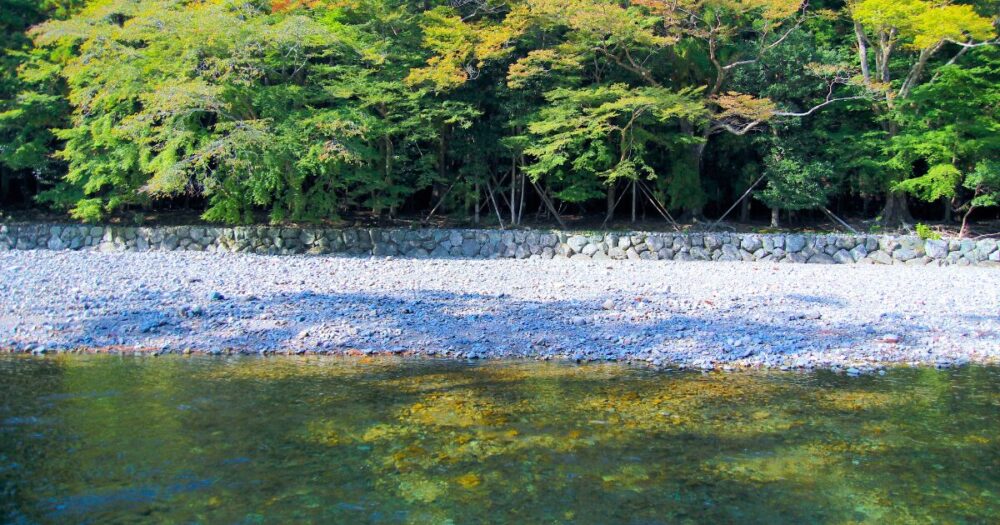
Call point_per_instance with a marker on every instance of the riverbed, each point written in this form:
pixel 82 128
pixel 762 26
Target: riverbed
pixel 663 314
pixel 105 439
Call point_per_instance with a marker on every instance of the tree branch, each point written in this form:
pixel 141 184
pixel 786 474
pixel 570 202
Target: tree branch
pixel 638 70
pixel 970 45
pixel 723 126
pixel 816 108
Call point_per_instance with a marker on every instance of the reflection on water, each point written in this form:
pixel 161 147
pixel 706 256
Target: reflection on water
pixel 104 439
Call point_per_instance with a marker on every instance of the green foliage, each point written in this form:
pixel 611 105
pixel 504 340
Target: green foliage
pixel 796 184
pixel 984 183
pixel 953 125
pixel 921 24
pixel 603 133
pixel 307 110
pixel 926 233
pixel 941 180
pixel 32 96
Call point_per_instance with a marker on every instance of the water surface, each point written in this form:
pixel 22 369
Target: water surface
pixel 103 439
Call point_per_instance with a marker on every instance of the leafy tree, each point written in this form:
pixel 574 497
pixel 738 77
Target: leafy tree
pixel 902 37
pixel 984 184
pixel 951 124
pixel 314 110
pixel 602 42
pixel 603 134
pixel 32 96
pixel 794 183
pixel 249 108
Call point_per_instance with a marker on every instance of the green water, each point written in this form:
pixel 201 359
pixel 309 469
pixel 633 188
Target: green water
pixel 174 440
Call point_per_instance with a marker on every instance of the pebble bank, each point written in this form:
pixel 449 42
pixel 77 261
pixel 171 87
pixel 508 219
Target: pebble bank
pixel 662 313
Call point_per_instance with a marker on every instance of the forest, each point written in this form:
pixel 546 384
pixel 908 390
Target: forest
pixel 502 112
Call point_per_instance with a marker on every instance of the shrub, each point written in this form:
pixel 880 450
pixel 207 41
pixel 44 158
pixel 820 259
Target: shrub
pixel 925 232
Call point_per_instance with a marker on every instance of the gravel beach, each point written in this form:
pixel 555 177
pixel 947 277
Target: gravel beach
pixel 667 314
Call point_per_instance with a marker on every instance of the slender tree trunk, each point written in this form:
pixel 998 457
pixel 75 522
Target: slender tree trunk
pixel 634 201
pixel 775 218
pixel 4 186
pixel 745 210
pixel 946 203
pixel 442 164
pixel 542 194
pixel 964 232
pixel 476 217
pixel 520 205
pixel 697 212
pixel 384 154
pixel 496 207
pixel 513 191
pixel 388 175
pixel 612 200
pixel 697 152
pixel 896 210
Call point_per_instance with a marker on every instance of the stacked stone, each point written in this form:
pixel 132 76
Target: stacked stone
pixel 793 248
pixel 520 244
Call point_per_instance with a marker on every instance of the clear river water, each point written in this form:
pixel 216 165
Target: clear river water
pixel 104 439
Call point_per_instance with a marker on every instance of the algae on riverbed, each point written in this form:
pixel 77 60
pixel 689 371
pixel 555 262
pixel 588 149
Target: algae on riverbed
pixel 247 440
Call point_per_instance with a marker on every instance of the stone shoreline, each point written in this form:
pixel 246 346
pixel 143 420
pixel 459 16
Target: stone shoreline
pixel 664 314
pixel 848 366
pixel 515 244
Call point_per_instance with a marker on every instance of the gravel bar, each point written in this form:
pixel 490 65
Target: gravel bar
pixel 697 315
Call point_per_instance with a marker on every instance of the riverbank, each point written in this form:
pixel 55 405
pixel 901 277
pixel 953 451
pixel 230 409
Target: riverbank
pixel 701 315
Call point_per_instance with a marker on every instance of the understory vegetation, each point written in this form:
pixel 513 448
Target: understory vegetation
pixel 502 111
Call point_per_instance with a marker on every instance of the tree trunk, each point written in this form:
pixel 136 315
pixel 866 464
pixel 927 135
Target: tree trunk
pixel 513 192
pixel 946 202
pixel 388 175
pixel 543 195
pixel 4 186
pixel 442 161
pixel 476 217
pixel 697 161
pixel 634 203
pixel 964 232
pixel 745 210
pixel 896 210
pixel 775 219
pixel 612 198
pixel 520 205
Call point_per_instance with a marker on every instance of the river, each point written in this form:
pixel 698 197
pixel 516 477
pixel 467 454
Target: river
pixel 105 439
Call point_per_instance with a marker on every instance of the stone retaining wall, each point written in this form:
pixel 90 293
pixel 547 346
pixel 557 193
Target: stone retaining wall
pixel 795 248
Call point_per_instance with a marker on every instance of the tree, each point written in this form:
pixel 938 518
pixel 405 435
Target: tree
pixel 371 110
pixel 601 42
pixel 221 99
pixel 902 37
pixel 984 184
pixel 32 97
pixel 952 124
pixel 603 134
pixel 794 183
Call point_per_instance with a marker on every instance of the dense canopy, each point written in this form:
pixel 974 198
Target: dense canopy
pixel 319 110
